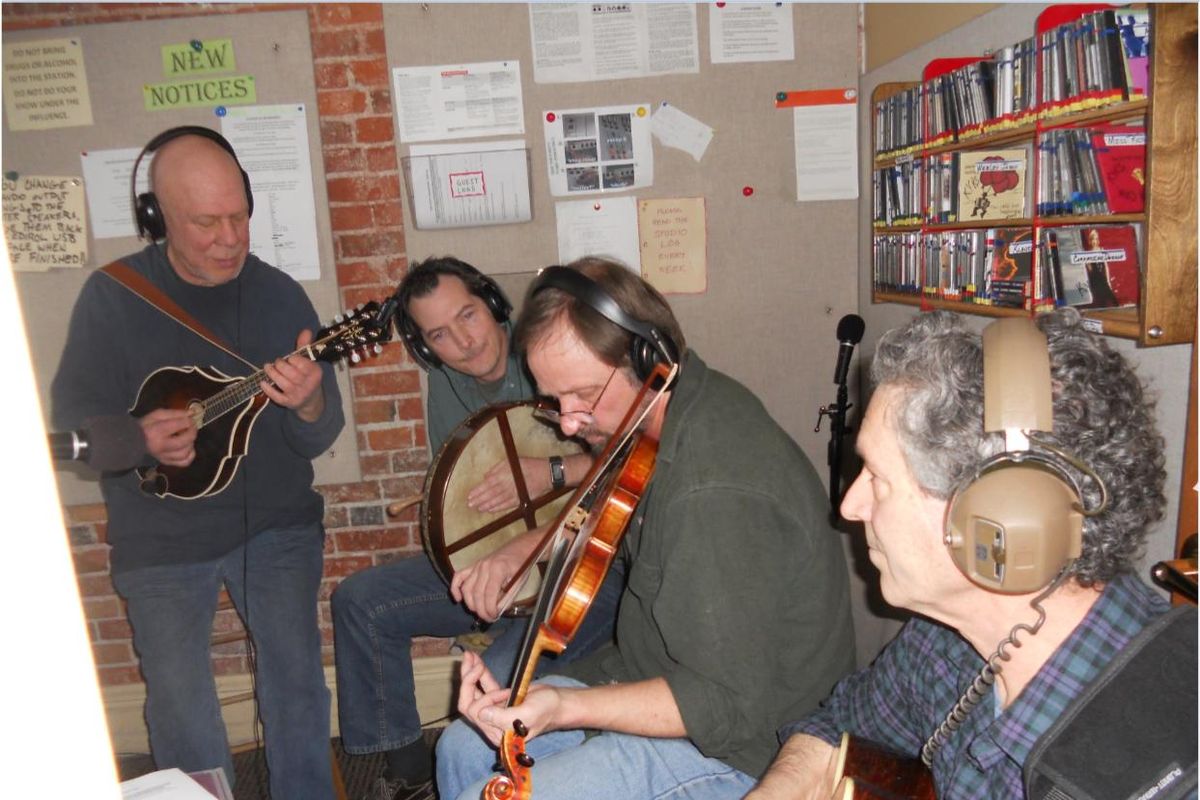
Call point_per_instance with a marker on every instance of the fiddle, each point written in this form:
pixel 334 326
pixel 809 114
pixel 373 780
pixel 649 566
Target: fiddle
pixel 598 516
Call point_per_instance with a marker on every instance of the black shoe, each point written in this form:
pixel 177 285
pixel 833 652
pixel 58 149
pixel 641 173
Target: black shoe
pixel 398 789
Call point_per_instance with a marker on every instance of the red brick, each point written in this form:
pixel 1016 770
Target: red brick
pixel 341 102
pixel 350 218
pixel 368 540
pixel 101 608
pixel 336 44
pixel 390 438
pixel 95 585
pixel 100 529
pixel 344 159
pixel 119 676
pixel 381 159
pixel 333 14
pixel 113 629
pixel 335 518
pixel 373 129
pixel 388 215
pixel 371 72
pixel 353 189
pixel 95 512
pixel 373 41
pixel 368 411
pixel 351 492
pixel 373 464
pixel 336 132
pixel 347 565
pixel 331 75
pixel 415 460
pixel 410 409
pixel 380 101
pixel 358 273
pixel 392 382
pixel 91 559
pixel 112 653
pixel 370 244
pixel 392 355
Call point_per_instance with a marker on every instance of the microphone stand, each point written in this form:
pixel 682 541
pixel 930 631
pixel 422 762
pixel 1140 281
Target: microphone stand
pixel 837 430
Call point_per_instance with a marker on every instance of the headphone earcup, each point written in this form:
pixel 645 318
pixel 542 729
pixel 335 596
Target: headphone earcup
pixel 1014 527
pixel 149 218
pixel 494 299
pixel 414 342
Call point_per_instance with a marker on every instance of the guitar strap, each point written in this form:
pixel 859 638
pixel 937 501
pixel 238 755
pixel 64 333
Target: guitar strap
pixel 137 283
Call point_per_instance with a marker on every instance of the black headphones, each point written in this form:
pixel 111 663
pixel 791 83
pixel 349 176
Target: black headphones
pixel 649 346
pixel 477 284
pixel 146 210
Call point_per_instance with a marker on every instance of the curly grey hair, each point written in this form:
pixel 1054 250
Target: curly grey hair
pixel 1101 414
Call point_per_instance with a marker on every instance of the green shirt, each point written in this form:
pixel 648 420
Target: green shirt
pixel 737 591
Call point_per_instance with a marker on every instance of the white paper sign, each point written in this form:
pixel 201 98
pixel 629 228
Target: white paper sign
pixel 598 149
pixel 272 146
pixel 106 177
pixel 674 128
pixel 739 32
pixel 459 100
pixel 464 185
pixel 826 150
pixel 575 42
pixel 605 226
pixel 44 222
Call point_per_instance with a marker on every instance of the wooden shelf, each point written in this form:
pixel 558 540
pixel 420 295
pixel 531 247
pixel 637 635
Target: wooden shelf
pixel 1167 311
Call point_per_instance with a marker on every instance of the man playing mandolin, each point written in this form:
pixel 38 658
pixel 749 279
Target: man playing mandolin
pixel 260 536
pixel 1012 534
pixel 736 615
pixel 454 321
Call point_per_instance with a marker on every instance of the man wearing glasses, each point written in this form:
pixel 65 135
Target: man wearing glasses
pixel 736 611
pixel 454 321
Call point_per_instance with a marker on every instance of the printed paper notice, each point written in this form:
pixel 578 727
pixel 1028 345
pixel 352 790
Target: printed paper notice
pixel 825 126
pixel 606 227
pixel 106 177
pixel 44 222
pixel 457 101
pixel 674 128
pixel 674 244
pixel 45 85
pixel 272 144
pixel 575 42
pixel 598 149
pixel 750 32
pixel 459 186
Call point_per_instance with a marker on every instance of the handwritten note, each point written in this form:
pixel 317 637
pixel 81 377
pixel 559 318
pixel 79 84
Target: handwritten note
pixel 44 222
pixel 45 85
pixel 674 244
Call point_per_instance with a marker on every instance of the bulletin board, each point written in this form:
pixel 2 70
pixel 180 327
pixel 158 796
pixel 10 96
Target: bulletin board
pixel 120 58
pixel 780 273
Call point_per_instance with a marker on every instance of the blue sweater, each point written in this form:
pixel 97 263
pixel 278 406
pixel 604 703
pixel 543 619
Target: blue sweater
pixel 116 340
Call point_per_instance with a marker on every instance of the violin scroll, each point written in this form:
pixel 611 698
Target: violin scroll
pixel 516 783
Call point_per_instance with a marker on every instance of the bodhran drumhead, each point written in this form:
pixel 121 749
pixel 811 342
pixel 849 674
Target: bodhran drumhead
pixel 456 536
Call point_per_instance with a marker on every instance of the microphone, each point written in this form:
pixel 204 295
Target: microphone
pixel 849 333
pixel 109 443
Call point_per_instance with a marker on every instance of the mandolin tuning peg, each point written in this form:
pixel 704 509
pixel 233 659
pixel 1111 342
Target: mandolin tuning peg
pixel 338 319
pixel 355 357
pixel 377 349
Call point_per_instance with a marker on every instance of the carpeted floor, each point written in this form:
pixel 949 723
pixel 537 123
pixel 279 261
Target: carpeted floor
pixel 358 772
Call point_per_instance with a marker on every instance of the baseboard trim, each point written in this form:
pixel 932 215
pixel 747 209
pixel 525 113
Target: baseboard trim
pixel 435 679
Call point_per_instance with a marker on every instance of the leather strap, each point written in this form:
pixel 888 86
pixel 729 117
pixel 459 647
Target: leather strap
pixel 137 283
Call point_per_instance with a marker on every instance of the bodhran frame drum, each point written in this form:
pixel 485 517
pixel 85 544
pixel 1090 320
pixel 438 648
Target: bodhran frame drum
pixel 456 536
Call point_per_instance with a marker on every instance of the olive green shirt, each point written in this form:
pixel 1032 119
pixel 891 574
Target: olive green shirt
pixel 737 590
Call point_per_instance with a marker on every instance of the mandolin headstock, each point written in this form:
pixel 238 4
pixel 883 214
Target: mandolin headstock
pixel 356 334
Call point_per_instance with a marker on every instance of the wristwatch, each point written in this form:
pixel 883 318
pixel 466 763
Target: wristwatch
pixel 558 476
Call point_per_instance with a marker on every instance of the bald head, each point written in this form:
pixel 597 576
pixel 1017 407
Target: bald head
pixel 203 200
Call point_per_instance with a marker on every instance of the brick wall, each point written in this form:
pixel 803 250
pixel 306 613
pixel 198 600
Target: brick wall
pixel 354 106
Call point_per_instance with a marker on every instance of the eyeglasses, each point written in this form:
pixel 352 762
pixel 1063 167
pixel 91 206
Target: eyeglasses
pixel 556 416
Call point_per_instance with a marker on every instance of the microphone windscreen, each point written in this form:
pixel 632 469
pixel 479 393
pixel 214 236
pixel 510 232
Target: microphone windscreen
pixel 115 443
pixel 850 329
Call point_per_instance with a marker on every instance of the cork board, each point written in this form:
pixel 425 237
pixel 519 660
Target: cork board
pixel 119 59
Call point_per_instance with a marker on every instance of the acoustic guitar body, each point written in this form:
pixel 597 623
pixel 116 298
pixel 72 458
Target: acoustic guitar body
pixel 867 771
pixel 220 442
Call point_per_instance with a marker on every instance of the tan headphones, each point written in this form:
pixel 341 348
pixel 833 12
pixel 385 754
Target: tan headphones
pixel 1019 521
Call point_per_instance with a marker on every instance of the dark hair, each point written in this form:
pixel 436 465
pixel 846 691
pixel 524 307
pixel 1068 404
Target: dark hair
pixel 1101 414
pixel 422 278
pixel 611 343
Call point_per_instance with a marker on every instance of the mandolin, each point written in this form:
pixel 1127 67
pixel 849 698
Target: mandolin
pixel 867 771
pixel 225 408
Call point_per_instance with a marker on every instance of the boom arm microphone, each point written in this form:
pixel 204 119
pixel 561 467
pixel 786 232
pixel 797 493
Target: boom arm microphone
pixel 108 443
pixel 849 333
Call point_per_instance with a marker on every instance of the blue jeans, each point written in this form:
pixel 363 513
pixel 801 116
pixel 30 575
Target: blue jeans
pixel 568 766
pixel 273 581
pixel 376 614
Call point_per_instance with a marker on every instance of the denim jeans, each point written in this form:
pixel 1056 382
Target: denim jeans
pixel 568 766
pixel 376 614
pixel 273 581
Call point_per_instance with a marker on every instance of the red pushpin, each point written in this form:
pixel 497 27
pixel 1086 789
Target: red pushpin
pixel 550 116
pixel 747 191
pixel 596 207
